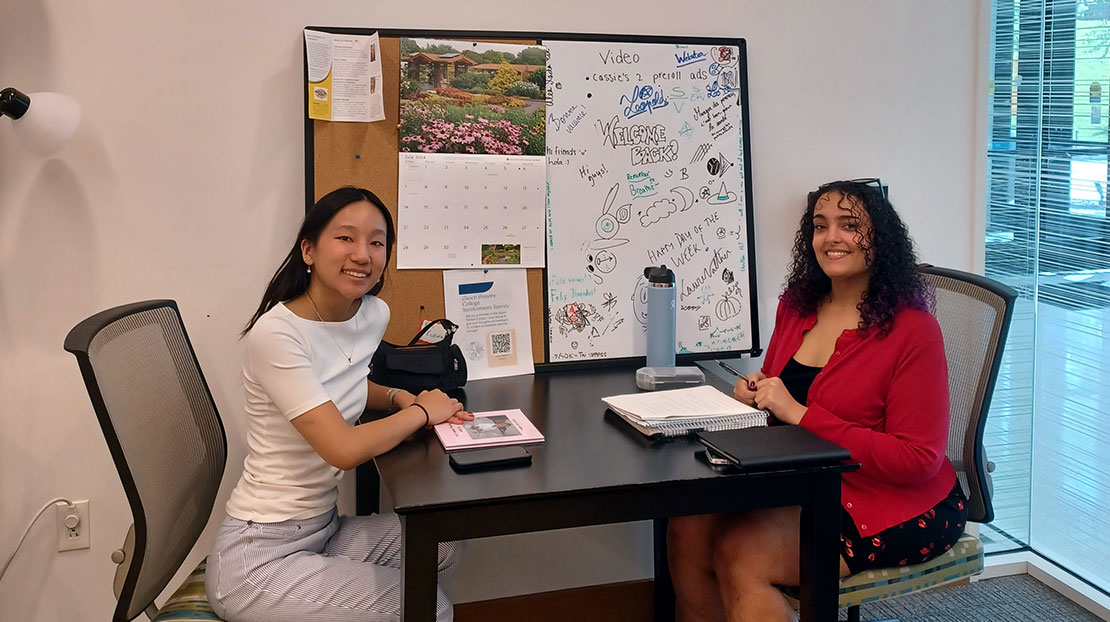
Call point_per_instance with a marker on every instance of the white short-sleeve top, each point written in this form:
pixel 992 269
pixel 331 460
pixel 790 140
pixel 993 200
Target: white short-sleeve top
pixel 292 366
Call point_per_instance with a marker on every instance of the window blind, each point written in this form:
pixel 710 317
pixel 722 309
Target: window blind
pixel 1048 235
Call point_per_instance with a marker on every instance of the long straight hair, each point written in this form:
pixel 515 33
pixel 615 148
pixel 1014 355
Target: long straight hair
pixel 292 278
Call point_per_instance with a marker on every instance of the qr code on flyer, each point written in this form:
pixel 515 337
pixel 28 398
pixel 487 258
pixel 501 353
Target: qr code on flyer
pixel 501 344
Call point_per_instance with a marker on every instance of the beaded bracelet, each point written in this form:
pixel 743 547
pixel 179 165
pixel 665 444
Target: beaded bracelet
pixel 427 419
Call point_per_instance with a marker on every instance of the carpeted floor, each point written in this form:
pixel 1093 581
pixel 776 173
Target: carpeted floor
pixel 1019 598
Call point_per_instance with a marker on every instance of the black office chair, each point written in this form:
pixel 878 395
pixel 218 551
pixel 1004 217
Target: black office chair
pixel 974 313
pixel 167 441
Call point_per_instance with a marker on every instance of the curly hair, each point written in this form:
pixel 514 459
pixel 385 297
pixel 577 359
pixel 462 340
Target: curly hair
pixel 894 282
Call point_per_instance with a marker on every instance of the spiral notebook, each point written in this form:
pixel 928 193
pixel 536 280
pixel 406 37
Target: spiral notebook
pixel 677 412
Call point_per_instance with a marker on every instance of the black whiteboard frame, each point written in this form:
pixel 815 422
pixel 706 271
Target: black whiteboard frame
pixel 547 365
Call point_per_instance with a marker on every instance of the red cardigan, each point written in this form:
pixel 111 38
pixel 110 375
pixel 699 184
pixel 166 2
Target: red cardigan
pixel 886 401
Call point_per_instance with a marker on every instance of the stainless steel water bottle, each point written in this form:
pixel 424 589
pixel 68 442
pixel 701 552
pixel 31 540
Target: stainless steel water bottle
pixel 660 316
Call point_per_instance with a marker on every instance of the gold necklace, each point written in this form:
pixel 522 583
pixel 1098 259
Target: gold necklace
pixel 334 340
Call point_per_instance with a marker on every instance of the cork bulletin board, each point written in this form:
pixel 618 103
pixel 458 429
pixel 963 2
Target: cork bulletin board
pixel 642 167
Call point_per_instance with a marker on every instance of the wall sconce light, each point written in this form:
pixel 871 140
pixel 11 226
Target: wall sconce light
pixel 42 121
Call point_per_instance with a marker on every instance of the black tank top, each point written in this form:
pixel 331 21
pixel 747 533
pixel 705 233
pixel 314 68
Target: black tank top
pixel 797 379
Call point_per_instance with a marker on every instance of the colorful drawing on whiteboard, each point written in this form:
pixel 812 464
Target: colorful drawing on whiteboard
pixel 651 134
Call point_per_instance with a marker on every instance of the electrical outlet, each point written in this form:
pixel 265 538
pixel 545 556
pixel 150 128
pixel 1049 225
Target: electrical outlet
pixel 73 525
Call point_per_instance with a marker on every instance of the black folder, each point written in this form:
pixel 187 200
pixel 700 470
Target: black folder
pixel 781 446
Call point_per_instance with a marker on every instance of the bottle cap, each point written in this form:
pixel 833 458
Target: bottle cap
pixel 659 275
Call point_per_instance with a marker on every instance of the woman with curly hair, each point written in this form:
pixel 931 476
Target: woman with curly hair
pixel 856 358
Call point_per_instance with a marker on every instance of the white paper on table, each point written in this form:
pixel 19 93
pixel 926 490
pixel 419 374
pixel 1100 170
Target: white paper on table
pixel 470 211
pixel 344 77
pixel 491 309
pixel 694 402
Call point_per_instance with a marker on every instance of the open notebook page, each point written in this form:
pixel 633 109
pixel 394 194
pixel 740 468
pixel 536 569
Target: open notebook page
pixel 702 401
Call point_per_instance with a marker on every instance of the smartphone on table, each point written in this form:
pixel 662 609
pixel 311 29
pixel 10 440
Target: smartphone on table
pixel 468 460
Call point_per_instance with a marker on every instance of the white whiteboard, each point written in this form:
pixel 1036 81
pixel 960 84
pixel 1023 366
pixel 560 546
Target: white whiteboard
pixel 645 166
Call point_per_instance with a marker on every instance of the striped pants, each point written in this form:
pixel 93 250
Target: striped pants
pixel 326 568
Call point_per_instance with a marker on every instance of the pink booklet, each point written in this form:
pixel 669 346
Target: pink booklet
pixel 489 429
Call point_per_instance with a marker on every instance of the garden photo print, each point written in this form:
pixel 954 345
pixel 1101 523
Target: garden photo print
pixel 472 98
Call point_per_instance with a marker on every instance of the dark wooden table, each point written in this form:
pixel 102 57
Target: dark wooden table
pixel 593 469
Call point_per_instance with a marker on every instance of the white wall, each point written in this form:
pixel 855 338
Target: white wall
pixel 186 181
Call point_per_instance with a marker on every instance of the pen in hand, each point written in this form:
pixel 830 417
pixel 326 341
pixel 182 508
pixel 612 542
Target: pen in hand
pixel 731 370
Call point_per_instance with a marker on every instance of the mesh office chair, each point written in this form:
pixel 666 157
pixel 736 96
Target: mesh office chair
pixel 167 441
pixel 974 314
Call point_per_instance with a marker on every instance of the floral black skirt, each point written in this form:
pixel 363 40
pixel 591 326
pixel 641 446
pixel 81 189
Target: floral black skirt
pixel 917 540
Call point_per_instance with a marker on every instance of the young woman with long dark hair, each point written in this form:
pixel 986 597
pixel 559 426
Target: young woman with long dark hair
pixel 282 551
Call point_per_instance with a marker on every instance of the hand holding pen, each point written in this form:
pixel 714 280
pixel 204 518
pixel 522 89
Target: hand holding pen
pixel 730 369
pixel 743 391
pixel 771 396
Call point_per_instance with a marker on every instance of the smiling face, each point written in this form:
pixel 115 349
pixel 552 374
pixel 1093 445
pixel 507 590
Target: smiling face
pixel 349 256
pixel 841 236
